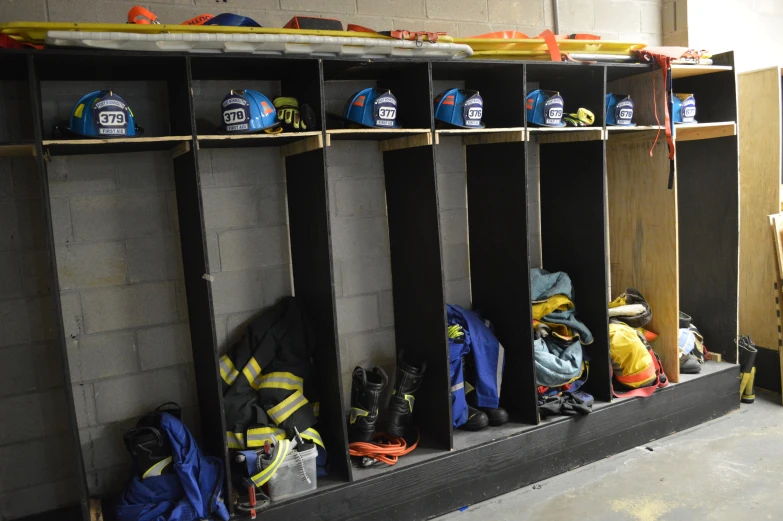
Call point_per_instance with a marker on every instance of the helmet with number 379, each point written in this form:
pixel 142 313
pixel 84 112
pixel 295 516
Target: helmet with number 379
pixel 246 111
pixel 103 114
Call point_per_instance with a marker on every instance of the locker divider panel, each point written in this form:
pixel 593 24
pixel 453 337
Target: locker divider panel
pixel 709 239
pixel 417 279
pixel 573 240
pixel 43 179
pixel 311 260
pixel 500 264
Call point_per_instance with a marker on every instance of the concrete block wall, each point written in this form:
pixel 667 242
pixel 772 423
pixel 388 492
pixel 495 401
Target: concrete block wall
pixel 630 20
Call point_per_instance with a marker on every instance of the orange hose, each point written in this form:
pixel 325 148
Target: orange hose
pixel 385 448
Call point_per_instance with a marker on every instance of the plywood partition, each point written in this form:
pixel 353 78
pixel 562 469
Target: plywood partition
pixel 573 240
pixel 499 264
pixel 643 237
pixel 708 221
pixel 760 149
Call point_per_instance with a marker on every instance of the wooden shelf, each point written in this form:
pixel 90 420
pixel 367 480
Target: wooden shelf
pixel 638 128
pixel 373 134
pixel 566 134
pixel 18 149
pixel 67 147
pixel 685 71
pixel 694 131
pixel 253 140
pixel 482 136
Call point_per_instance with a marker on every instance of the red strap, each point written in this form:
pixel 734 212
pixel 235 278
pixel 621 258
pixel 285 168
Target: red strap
pixel 142 16
pixel 551 44
pixel 199 20
pixel 644 392
pixel 665 64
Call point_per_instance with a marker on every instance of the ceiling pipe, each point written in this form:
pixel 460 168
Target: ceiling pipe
pixel 556 16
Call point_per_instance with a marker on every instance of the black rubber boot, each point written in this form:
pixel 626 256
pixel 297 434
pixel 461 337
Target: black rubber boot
pixel 495 417
pixel 747 362
pixel 400 409
pixel 477 420
pixel 365 399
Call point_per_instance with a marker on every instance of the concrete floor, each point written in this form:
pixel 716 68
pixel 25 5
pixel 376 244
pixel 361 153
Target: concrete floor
pixel 726 470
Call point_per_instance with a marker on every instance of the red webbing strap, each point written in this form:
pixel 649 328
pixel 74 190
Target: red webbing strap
pixel 199 20
pixel 644 392
pixel 142 16
pixel 551 44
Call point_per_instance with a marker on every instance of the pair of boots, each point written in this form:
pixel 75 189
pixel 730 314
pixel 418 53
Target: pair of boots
pixel 747 362
pixel 481 417
pixel 366 393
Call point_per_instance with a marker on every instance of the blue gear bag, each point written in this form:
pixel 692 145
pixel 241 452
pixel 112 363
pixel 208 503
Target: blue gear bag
pixel 193 492
pixel 373 108
pixel 545 107
pixel 460 108
pixel 246 111
pixel 232 20
pixel 102 114
pixel 619 110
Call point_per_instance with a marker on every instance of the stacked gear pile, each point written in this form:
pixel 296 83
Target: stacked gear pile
pixel 560 360
pixel 477 360
pixel 635 366
pixel 459 108
pixel 395 438
pixel 247 111
pixel 270 393
pixel 371 108
pixel 691 346
pixel 100 114
pixel 172 478
pixel 546 108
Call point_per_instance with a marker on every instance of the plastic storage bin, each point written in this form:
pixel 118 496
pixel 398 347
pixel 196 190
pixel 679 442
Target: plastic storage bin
pixel 291 479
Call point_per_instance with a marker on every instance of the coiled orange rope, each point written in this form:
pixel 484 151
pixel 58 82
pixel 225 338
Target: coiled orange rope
pixel 384 448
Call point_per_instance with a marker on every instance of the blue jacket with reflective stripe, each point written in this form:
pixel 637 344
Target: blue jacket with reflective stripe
pixel 194 491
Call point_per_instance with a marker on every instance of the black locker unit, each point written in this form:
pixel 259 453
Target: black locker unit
pixel 446 474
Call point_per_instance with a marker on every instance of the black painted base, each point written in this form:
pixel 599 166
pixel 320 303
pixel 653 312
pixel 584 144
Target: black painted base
pixel 768 370
pixel 479 472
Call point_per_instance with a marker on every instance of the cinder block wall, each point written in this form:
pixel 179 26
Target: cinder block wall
pixel 119 260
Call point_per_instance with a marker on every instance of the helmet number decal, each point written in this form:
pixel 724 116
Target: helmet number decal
pixel 234 116
pixel 112 118
pixel 472 111
pixel 385 111
pixel 626 114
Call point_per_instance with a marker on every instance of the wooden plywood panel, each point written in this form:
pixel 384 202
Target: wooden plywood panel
pixel 760 167
pixel 643 238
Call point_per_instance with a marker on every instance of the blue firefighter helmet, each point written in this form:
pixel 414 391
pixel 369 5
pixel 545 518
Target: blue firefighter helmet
pixel 461 108
pixel 545 107
pixel 684 108
pixel 619 110
pixel 102 114
pixel 246 111
pixel 374 108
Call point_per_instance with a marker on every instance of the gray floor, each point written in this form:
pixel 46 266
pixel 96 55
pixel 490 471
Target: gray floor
pixel 729 469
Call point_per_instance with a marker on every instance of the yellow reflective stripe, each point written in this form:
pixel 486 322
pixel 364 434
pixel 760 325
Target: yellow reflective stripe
pixel 312 435
pixel 281 380
pixel 410 399
pixel 356 413
pixel 252 372
pixel 317 409
pixel 280 412
pixel 157 468
pixel 280 453
pixel 228 372
pixel 468 388
pixel 256 437
pixel 236 440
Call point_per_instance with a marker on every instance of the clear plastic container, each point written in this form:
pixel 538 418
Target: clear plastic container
pixel 291 479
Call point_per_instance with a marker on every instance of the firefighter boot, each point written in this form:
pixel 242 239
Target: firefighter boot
pixel 365 398
pixel 747 361
pixel 400 409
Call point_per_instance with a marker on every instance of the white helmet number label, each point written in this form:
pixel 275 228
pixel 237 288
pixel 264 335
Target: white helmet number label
pixel 112 119
pixel 626 114
pixel 234 116
pixel 475 113
pixel 689 112
pixel 387 112
pixel 555 113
